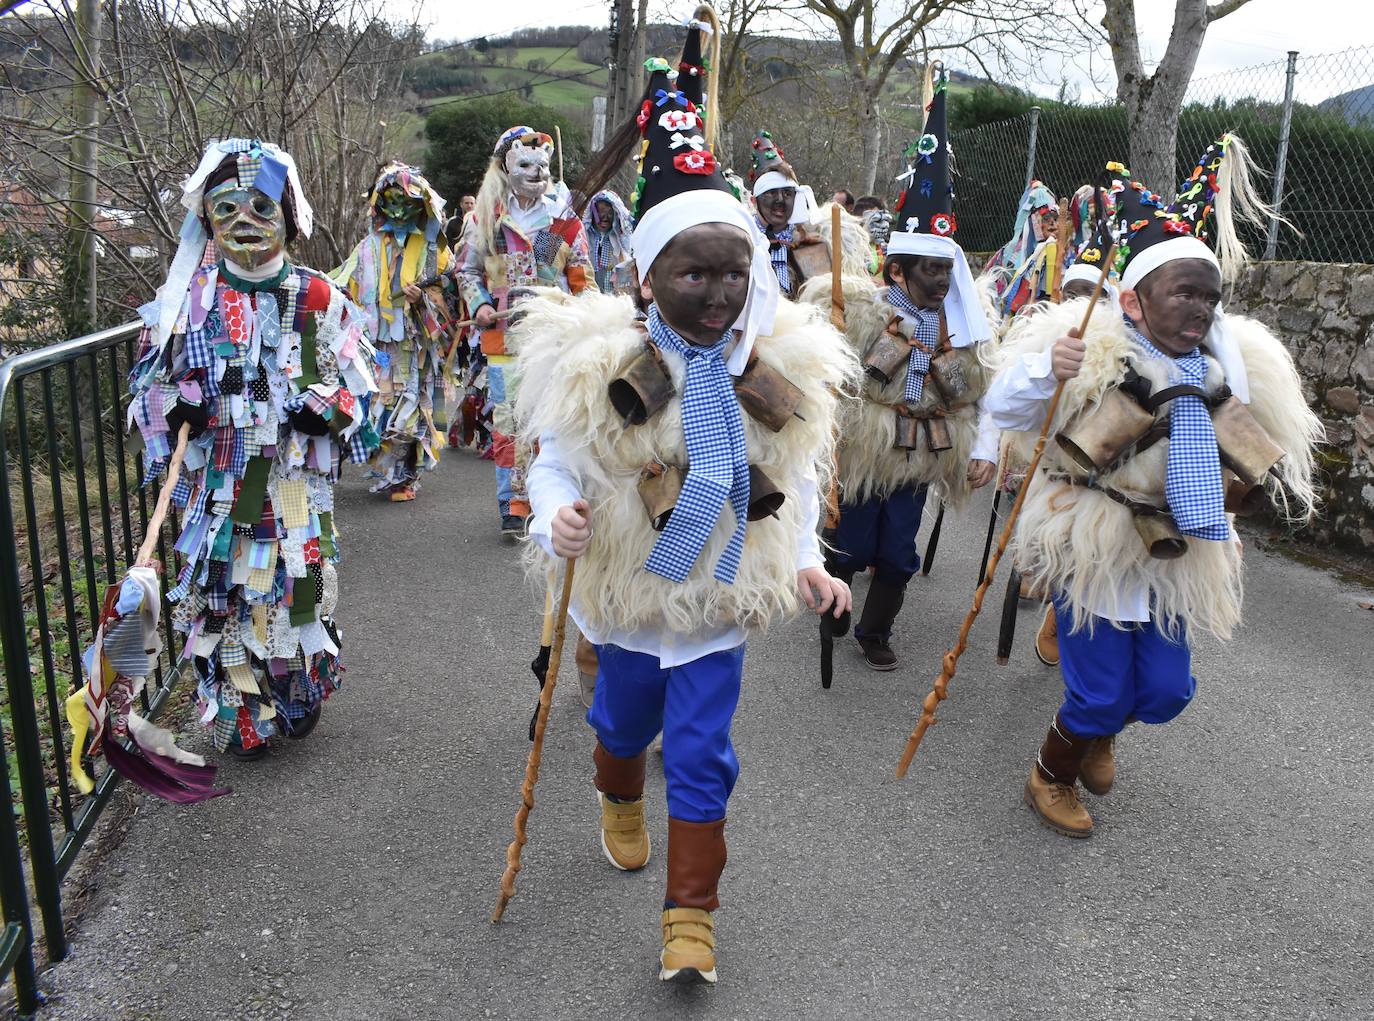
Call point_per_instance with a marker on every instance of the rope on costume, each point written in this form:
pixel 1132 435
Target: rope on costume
pixel 522 814
pixel 940 688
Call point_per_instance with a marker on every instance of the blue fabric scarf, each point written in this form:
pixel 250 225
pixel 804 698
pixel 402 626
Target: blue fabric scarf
pixel 777 255
pixel 718 461
pixel 1192 486
pixel 927 331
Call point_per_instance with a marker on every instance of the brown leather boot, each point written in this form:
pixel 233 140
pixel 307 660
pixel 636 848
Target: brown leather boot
pixel 1098 769
pixel 696 858
pixel 1047 639
pixel 624 837
pixel 1051 790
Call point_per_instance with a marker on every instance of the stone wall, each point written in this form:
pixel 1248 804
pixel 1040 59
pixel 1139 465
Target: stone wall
pixel 1325 314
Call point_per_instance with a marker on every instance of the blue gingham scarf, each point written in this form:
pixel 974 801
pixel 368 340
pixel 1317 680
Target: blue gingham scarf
pixel 717 461
pixel 927 331
pixel 777 255
pixel 1192 486
pixel 603 249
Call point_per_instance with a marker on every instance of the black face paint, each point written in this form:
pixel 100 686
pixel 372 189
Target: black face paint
pixel 775 207
pixel 1177 304
pixel 927 281
pixel 700 281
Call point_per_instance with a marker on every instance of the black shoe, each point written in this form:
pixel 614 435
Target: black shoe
pixel 301 728
pixel 878 653
pixel 512 527
pixel 248 754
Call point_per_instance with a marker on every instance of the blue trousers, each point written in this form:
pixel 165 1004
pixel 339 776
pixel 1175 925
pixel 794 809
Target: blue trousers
pixel 1113 675
pixel 881 532
pixel 693 704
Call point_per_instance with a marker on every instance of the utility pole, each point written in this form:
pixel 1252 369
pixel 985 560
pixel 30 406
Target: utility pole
pixel 80 270
pixel 623 74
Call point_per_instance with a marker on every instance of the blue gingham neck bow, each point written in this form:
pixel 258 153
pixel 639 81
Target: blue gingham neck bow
pixel 717 461
pixel 1192 485
pixel 926 329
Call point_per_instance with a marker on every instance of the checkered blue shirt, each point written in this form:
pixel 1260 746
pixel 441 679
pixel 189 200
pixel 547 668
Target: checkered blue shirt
pixel 927 331
pixel 1192 486
pixel 718 461
pixel 777 255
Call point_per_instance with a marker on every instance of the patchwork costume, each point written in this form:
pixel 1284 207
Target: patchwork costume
pixel 512 244
pixel 273 363
pixel 404 247
pixel 609 249
pixel 1127 520
pixel 669 588
pixel 914 425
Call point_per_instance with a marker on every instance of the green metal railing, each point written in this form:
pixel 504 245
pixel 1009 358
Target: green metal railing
pixel 63 540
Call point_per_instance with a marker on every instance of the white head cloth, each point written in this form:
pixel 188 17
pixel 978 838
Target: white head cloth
pixel 672 216
pixel 968 324
pixel 1219 340
pixel 191 247
pixel 803 207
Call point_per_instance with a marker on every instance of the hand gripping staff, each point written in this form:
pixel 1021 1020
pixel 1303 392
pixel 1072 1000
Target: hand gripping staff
pixel 536 749
pixel 832 498
pixel 940 689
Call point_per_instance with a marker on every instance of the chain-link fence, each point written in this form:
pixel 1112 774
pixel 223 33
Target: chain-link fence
pixel 1308 122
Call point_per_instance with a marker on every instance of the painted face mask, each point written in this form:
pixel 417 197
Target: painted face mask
pixel 879 225
pixel 396 205
pixel 528 167
pixel 249 226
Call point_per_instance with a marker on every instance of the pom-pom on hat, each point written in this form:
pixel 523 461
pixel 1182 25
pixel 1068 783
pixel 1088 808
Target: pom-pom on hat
pixel 768 159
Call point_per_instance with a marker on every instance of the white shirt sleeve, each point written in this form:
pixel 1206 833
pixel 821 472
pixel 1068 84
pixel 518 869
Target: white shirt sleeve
pixel 1016 400
pixel 987 444
pixel 808 542
pixel 551 484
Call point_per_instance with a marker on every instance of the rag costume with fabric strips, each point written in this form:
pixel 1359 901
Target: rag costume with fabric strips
pixel 404 249
pixel 271 361
pixel 698 459
pixel 914 424
pixel 609 246
pixel 1154 447
pixel 522 235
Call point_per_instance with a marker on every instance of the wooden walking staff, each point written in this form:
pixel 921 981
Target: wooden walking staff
pixel 940 689
pixel 1061 245
pixel 164 497
pixel 558 138
pixel 522 815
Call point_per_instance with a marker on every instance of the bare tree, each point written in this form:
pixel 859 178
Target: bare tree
pixel 1153 101
pixel 322 78
pixel 994 36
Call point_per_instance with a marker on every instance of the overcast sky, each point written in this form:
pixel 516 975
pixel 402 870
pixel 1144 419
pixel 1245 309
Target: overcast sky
pixel 1260 32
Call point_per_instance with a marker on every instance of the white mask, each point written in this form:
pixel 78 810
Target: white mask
pixel 528 168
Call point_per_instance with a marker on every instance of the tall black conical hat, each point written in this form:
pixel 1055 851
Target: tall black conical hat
pixel 926 202
pixel 674 156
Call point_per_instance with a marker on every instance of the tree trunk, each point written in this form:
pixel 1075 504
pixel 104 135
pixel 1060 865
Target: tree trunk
pixel 80 268
pixel 871 140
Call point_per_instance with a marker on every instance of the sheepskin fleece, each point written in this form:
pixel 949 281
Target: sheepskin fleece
pixel 1083 543
pixel 570 349
pixel 869 464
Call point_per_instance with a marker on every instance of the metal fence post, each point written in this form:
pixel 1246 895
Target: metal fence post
pixel 1030 144
pixel 1272 241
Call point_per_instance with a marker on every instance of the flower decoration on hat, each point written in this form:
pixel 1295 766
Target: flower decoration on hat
pixel 768 158
pixel 674 155
pixel 926 200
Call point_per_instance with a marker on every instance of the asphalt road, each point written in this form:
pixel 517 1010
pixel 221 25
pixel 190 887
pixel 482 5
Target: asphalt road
pixel 351 876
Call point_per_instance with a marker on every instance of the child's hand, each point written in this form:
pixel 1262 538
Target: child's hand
pixel 821 592
pixel 572 529
pixel 1066 357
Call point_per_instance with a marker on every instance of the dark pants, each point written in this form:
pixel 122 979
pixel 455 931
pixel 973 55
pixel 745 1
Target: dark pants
pixel 880 532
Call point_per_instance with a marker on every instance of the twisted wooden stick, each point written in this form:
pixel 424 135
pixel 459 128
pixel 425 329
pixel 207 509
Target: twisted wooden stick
pixel 522 815
pixel 940 689
pixel 1061 246
pixel 836 271
pixel 164 497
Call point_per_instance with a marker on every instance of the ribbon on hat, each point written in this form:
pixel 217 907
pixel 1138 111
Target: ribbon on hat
pixel 662 97
pixel 678 140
